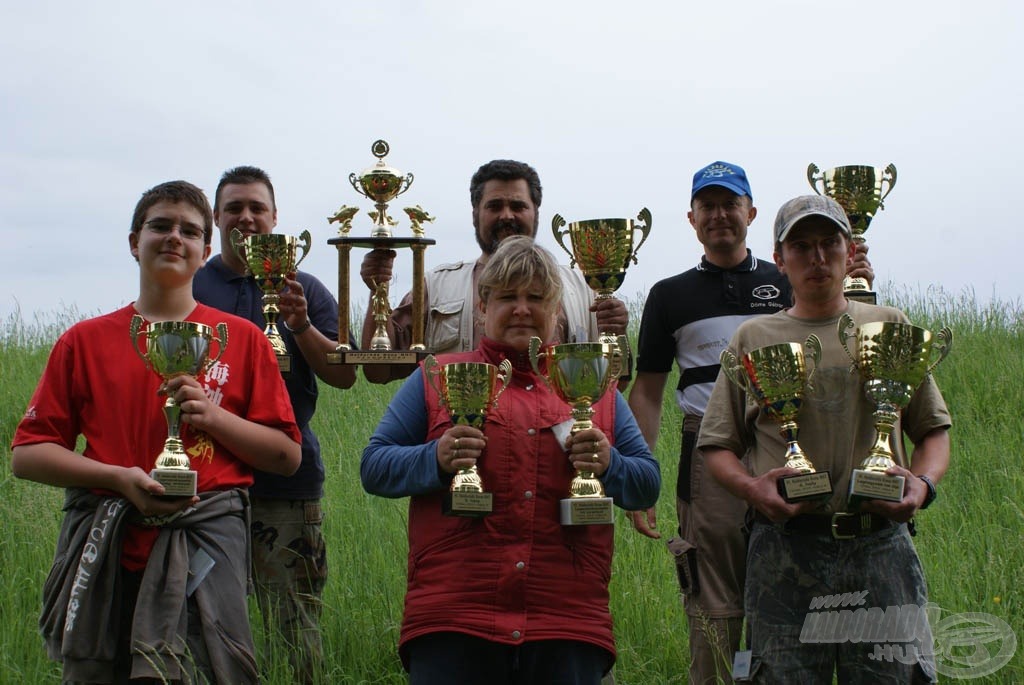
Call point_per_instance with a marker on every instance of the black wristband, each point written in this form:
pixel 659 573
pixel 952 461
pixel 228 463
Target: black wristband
pixel 932 493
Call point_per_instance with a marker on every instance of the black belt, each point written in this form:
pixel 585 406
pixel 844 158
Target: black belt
pixel 841 525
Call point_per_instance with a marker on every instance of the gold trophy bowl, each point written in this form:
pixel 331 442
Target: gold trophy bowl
pixel 603 248
pixel 776 377
pixel 580 374
pixel 860 191
pixel 893 359
pixel 269 257
pixel 468 390
pixel 382 184
pixel 175 348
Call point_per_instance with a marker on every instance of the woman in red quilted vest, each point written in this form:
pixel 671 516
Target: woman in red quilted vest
pixel 512 596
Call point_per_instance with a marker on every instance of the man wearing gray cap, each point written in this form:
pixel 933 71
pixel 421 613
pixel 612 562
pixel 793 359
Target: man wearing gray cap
pixel 688 319
pixel 805 554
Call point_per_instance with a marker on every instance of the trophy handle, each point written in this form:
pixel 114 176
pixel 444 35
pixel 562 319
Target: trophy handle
pixel 618 357
pixel 643 216
pixel 431 371
pixel 222 343
pixel 943 344
pixel 238 243
pixel 556 223
pixel 354 181
pixel 535 355
pixel 813 177
pixel 307 241
pixel 889 179
pixel 813 344
pixel 133 331
pixel 846 322
pixel 730 367
pixel 505 376
pixel 406 182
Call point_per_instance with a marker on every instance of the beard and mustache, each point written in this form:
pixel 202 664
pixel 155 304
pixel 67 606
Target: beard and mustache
pixel 503 228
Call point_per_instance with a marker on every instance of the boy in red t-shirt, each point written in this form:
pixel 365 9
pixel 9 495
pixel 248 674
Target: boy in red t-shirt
pixel 143 585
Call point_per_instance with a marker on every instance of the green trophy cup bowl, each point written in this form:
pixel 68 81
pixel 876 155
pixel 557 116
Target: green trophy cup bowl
pixel 775 378
pixel 468 390
pixel 175 348
pixel 859 190
pixel 893 359
pixel 603 249
pixel 268 258
pixel 579 374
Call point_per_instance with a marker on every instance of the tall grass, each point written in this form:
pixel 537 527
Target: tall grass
pixel 971 541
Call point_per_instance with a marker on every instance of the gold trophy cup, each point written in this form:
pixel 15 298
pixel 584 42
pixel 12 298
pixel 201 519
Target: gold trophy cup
pixel 580 373
pixel 893 359
pixel 268 258
pixel 175 348
pixel 603 248
pixel 468 390
pixel 860 191
pixel 775 377
pixel 381 184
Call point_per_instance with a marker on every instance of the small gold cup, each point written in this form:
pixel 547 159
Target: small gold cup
pixel 603 248
pixel 175 348
pixel 468 390
pixel 580 374
pixel 893 359
pixel 775 377
pixel 860 191
pixel 269 257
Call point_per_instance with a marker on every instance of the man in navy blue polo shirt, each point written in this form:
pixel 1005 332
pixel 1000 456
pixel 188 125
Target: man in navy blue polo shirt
pixel 690 318
pixel 289 555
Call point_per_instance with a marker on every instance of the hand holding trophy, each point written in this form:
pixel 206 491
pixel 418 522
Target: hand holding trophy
pixel 580 373
pixel 269 257
pixel 775 377
pixel 468 390
pixel 174 348
pixel 893 359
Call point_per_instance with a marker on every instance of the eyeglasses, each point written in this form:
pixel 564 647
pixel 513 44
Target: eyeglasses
pixel 165 226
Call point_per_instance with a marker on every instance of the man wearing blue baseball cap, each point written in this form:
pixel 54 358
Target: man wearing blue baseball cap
pixel 689 318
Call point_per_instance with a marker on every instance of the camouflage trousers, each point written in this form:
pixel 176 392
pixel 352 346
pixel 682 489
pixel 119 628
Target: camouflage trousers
pixel 290 570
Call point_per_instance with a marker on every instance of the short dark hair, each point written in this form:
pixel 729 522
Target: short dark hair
pixel 175 191
pixel 244 175
pixel 505 170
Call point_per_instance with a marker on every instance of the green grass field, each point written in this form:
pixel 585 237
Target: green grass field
pixel 971 541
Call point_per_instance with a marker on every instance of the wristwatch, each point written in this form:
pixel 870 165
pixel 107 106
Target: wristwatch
pixel 298 330
pixel 932 494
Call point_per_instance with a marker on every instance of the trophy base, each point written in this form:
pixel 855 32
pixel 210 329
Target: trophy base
pixel 586 511
pixel 467 504
pixel 284 364
pixel 865 485
pixel 806 486
pixel 359 358
pixel 865 296
pixel 176 482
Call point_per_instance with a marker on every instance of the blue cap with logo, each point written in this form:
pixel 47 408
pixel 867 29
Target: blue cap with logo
pixel 723 174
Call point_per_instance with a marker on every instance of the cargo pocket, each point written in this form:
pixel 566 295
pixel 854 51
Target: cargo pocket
pixel 685 556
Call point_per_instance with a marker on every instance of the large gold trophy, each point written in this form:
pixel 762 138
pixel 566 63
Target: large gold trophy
pixel 893 359
pixel 468 390
pixel 382 184
pixel 580 374
pixel 775 377
pixel 175 348
pixel 603 249
pixel 269 257
pixel 859 190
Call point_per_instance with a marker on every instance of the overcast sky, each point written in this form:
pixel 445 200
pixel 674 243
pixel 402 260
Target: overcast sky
pixel 615 104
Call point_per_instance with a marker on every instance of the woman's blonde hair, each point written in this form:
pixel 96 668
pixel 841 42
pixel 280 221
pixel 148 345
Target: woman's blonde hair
pixel 519 262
